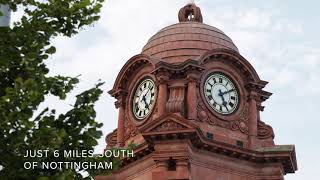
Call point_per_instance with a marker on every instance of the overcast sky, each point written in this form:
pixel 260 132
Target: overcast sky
pixel 280 38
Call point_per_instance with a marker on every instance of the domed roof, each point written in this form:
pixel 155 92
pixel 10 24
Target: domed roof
pixel 187 39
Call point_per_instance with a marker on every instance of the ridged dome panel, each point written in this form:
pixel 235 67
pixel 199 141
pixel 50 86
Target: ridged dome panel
pixel 186 40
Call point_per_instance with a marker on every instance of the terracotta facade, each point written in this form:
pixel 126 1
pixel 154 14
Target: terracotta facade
pixel 183 138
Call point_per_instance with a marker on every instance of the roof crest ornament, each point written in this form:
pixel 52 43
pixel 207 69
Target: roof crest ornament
pixel 190 12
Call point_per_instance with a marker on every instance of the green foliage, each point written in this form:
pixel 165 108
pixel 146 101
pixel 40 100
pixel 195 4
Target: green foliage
pixel 24 84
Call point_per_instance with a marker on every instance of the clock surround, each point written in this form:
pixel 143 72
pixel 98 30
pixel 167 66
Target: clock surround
pixel 143 100
pixel 136 81
pixel 214 65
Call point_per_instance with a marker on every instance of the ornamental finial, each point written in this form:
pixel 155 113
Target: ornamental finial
pixel 190 12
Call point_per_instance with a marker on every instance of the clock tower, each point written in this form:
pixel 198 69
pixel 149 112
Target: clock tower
pixel 191 104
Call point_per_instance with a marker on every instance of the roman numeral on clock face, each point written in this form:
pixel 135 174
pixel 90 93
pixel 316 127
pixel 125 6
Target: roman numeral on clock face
pixel 231 104
pixel 150 86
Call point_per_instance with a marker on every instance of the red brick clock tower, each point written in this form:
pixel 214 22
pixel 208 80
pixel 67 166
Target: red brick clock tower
pixel 191 103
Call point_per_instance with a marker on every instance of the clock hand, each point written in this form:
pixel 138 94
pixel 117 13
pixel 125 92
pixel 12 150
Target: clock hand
pixel 145 100
pixel 222 93
pixel 224 103
pixel 145 103
pixel 223 100
pixel 144 96
pixel 147 91
pixel 142 99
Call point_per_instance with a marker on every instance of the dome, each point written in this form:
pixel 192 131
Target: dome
pixel 187 39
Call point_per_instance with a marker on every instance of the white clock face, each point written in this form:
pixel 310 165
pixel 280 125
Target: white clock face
pixel 221 93
pixel 144 99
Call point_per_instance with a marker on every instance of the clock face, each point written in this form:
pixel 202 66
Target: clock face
pixel 221 93
pixel 144 99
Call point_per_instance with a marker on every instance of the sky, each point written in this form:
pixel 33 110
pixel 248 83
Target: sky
pixel 278 37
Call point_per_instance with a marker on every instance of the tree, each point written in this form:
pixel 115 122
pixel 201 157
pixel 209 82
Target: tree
pixel 24 84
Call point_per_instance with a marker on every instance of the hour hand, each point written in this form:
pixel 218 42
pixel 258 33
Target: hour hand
pixel 221 95
pixel 145 103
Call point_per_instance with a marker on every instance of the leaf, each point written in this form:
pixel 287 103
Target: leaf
pixel 43 178
pixel 51 50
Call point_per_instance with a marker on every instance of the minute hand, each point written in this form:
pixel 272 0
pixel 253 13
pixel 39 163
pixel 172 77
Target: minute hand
pixel 227 91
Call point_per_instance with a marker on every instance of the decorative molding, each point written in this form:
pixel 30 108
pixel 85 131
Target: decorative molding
pixel 120 103
pixel 169 126
pixel 132 65
pixel 154 114
pixel 260 107
pixel 193 77
pixel 121 96
pixel 265 131
pixel 231 57
pixel 130 130
pixel 284 154
pixel 176 101
pixel 167 122
pixel 240 124
pixel 256 91
pixel 175 71
pixel 162 77
pixel 111 138
pixel 254 96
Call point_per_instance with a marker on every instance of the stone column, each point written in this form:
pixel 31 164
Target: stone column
pixel 121 118
pixel 253 119
pixel 182 168
pixel 162 166
pixel 163 94
pixel 192 96
pixel 160 173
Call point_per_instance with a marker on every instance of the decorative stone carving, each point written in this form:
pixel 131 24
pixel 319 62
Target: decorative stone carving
pixel 169 126
pixel 240 124
pixel 244 116
pixel 154 114
pixel 120 102
pixel 111 138
pixel 130 129
pixel 176 100
pixel 203 116
pixel 190 12
pixel 264 131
